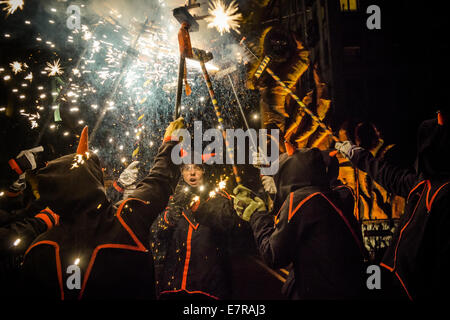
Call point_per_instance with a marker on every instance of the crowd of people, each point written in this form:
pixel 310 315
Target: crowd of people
pixel 63 235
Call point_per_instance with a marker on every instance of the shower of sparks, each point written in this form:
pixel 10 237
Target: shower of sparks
pixel 223 18
pixel 79 160
pixel 140 67
pixel 12 5
pixel 54 69
pixel 16 67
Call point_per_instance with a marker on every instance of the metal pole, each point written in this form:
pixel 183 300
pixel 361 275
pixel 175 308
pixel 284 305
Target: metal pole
pixel 180 85
pixel 219 117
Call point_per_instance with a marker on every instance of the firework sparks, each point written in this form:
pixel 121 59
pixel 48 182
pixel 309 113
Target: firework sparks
pixel 222 17
pixel 29 77
pixel 16 67
pixel 79 160
pixel 54 69
pixel 12 6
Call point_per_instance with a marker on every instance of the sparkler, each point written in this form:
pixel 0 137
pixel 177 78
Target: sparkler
pixel 223 18
pixel 12 6
pixel 54 69
pixel 16 67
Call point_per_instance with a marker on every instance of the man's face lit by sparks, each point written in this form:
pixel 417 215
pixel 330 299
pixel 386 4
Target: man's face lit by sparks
pixel 192 174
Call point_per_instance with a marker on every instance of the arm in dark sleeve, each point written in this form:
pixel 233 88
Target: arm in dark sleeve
pixel 160 182
pixel 115 192
pixel 218 214
pixel 275 242
pixel 393 179
pixel 26 230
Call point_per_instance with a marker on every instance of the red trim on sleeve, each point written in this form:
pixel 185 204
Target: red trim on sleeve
pixel 44 217
pixel 117 187
pixel 13 164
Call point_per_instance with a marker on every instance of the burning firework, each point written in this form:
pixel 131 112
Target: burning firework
pixel 223 17
pixel 12 5
pixel 16 67
pixel 54 69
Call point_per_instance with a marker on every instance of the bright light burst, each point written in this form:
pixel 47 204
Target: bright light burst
pixel 12 6
pixel 223 17
pixel 16 67
pixel 54 69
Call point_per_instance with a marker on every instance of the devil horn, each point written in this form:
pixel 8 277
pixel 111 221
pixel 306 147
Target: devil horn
pixel 83 143
pixel 290 149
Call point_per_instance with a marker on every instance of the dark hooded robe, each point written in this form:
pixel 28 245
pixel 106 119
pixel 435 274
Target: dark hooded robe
pixel 311 231
pixel 196 262
pixel 107 242
pixel 419 255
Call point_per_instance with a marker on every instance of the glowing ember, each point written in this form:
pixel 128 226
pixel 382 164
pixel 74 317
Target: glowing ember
pixel 54 69
pixel 223 17
pixel 79 160
pixel 16 67
pixel 12 5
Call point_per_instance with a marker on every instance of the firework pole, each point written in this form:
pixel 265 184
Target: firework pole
pixel 201 56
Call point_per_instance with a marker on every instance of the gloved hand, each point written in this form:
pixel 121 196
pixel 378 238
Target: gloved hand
pixel 244 205
pixel 256 204
pixel 269 184
pixel 19 185
pixel 170 133
pixel 347 149
pixel 130 175
pixel 25 160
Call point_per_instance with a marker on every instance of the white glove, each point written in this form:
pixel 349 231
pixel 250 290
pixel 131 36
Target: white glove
pixel 130 175
pixel 347 149
pixel 19 185
pixel 30 156
pixel 269 184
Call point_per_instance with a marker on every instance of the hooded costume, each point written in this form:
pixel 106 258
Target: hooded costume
pixel 289 60
pixel 311 231
pixel 106 241
pixel 196 263
pixel 419 255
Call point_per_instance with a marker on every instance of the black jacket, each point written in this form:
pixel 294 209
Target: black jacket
pixel 419 255
pixel 108 241
pixel 196 262
pixel 311 231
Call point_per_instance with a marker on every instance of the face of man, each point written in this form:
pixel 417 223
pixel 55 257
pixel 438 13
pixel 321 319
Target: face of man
pixel 192 175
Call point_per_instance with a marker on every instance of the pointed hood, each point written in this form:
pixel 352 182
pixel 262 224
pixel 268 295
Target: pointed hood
pixel 304 169
pixel 72 184
pixel 433 149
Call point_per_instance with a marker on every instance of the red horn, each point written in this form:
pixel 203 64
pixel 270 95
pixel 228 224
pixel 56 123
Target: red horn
pixel 441 119
pixel 83 143
pixel 290 149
